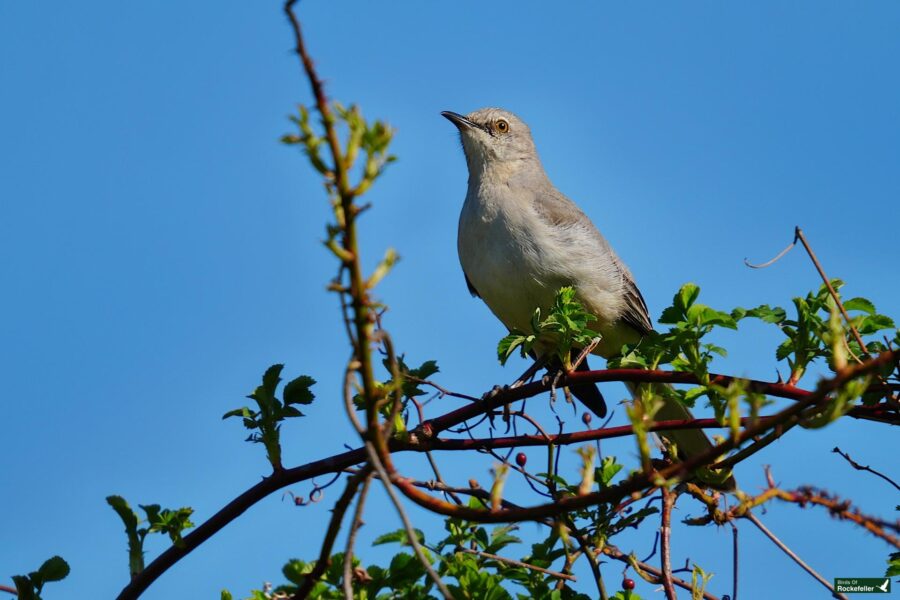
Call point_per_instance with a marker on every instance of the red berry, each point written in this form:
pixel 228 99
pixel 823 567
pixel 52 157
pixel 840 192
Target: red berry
pixel 586 418
pixel 628 584
pixel 521 459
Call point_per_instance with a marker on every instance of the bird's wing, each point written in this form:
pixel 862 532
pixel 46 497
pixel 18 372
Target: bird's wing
pixel 558 210
pixel 635 314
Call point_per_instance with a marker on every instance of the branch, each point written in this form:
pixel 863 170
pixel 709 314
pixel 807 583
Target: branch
pixel 347 582
pixel 371 450
pixel 345 460
pixel 503 396
pixel 859 467
pixel 233 510
pixel 750 517
pixel 665 552
pixel 517 563
pixel 334 526
pixel 613 552
pixel 641 481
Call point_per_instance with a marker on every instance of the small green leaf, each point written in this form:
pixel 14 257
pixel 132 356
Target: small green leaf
pixel 297 390
pixel 860 304
pixel 398 536
pixel 687 295
pixel 54 569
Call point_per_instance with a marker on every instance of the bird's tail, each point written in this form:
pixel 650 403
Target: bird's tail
pixel 688 442
pixel 589 394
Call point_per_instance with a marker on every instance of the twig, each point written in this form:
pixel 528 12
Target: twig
pixel 501 397
pixel 645 568
pixel 517 563
pixel 334 526
pixel 753 448
pixel 752 518
pixel 798 233
pixel 584 352
pixel 410 532
pixel 539 362
pixel 589 555
pixel 443 391
pixel 734 561
pixel 664 535
pixel 859 467
pixel 653 549
pixel 351 538
pixel 771 262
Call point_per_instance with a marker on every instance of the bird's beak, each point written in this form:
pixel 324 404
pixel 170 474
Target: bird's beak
pixel 460 121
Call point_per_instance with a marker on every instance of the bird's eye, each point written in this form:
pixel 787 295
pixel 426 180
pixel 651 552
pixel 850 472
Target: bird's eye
pixel 502 126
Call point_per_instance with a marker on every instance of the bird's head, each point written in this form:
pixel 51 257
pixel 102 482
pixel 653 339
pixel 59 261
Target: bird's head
pixel 493 137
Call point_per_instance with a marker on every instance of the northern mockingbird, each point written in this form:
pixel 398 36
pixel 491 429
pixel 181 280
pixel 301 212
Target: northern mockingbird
pixel 520 240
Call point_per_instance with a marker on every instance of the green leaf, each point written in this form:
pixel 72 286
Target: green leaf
pixel 765 313
pixel 874 323
pixel 687 295
pixel 607 470
pixel 226 595
pixel 297 391
pixel 295 570
pixel 509 344
pixel 860 304
pixel 54 569
pixel 784 349
pixel 893 568
pixel 398 536
pixel 128 516
pixel 238 412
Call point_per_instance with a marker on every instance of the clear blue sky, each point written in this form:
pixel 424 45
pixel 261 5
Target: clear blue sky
pixel 159 248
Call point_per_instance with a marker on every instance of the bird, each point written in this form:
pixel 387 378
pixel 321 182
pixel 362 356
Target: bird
pixel 520 240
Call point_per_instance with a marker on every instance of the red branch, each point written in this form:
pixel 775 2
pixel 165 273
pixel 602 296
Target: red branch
pixel 505 396
pixel 643 480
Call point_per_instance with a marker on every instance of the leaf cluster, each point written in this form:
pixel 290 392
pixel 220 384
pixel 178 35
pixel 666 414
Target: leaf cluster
pixel 29 587
pixel 167 521
pixel 272 411
pixel 811 334
pixel 563 329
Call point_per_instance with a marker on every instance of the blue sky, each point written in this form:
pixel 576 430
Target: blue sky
pixel 160 248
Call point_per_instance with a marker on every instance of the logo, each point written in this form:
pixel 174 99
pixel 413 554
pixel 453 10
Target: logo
pixel 862 585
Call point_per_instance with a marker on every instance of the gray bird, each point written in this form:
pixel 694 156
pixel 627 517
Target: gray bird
pixel 520 240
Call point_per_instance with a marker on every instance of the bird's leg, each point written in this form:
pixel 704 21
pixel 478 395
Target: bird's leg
pixel 585 351
pixel 487 396
pixel 530 372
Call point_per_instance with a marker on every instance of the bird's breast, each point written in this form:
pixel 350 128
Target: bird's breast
pixel 502 254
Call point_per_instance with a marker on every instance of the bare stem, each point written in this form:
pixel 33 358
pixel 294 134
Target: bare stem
pixel 351 538
pixel 334 526
pixel 518 563
pixel 665 551
pixel 752 518
pixel 859 467
pixel 410 532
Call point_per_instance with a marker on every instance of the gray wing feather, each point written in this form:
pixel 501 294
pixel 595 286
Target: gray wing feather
pixel 558 210
pixel 636 314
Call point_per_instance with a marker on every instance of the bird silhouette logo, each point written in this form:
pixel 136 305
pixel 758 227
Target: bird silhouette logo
pixel 884 586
